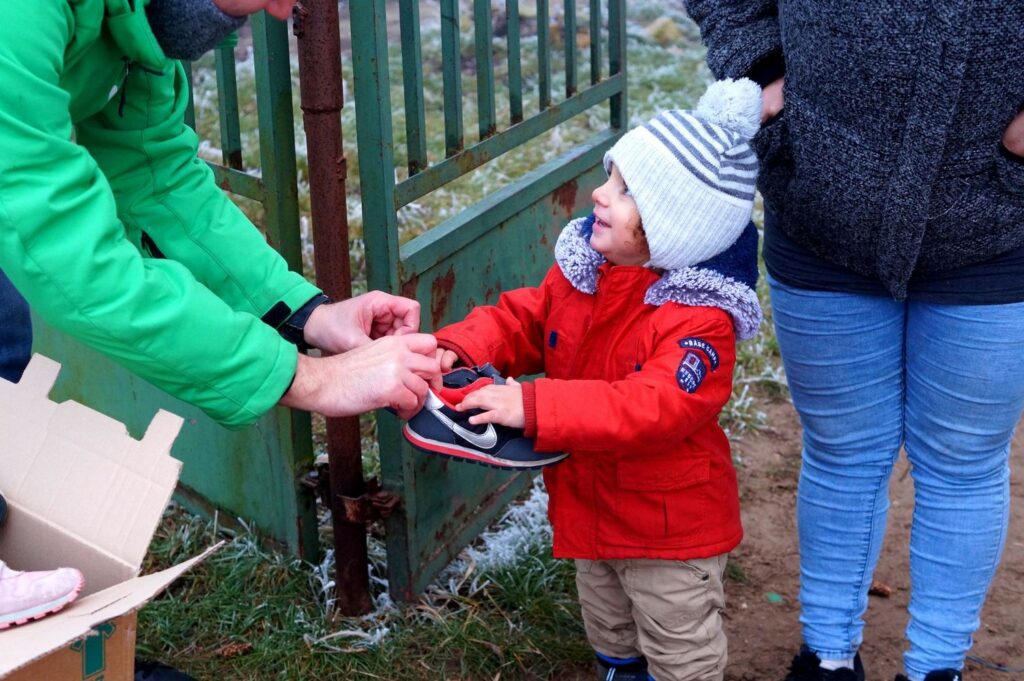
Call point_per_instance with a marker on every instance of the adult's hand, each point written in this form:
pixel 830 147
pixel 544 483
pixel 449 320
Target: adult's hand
pixel 388 372
pixel 282 9
pixel 772 100
pixel 1013 138
pixel 339 327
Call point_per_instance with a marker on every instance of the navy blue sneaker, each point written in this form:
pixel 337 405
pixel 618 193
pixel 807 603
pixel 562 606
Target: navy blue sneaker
pixel 939 675
pixel 621 669
pixel 807 667
pixel 146 670
pixel 439 428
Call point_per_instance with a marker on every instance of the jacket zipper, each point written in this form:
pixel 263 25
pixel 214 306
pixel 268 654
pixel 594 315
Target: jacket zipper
pixel 129 64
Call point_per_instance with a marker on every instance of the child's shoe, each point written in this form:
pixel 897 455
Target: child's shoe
pixel 807 667
pixel 619 669
pixel 439 428
pixel 28 596
pixel 938 675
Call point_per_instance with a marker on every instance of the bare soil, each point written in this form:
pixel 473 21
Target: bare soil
pixel 764 633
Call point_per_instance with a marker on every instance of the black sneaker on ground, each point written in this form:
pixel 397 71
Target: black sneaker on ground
pixel 439 428
pixel 147 670
pixel 807 667
pixel 938 675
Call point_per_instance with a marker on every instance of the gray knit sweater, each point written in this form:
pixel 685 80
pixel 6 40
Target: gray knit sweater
pixel 887 158
pixel 187 29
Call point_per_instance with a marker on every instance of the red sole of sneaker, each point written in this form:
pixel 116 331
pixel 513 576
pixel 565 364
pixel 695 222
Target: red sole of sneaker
pixel 458 454
pixel 60 606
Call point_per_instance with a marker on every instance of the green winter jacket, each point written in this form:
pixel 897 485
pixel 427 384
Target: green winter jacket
pixel 80 182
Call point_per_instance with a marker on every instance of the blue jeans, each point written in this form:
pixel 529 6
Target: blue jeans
pixel 867 375
pixel 15 332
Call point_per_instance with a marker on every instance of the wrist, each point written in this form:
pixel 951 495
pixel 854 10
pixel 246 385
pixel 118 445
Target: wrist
pixel 303 388
pixel 530 410
pixel 229 8
pixel 768 69
pixel 293 329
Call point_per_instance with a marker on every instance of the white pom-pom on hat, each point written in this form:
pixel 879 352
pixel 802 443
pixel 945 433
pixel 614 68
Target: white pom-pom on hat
pixel 732 104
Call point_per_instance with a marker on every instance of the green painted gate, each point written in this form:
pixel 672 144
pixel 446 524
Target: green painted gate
pixel 503 241
pixel 254 473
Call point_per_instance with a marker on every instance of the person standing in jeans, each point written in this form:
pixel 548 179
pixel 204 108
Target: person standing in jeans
pixel 892 171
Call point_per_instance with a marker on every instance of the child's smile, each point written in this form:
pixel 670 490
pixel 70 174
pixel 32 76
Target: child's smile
pixel 617 232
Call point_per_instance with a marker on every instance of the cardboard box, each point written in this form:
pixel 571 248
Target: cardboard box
pixel 81 492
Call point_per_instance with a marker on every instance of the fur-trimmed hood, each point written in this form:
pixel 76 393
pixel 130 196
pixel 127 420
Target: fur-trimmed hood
pixel 726 281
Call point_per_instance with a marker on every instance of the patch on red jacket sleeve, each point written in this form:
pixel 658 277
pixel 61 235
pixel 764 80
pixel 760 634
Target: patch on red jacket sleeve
pixel 702 345
pixel 691 371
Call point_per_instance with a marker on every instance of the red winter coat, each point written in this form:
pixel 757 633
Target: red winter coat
pixel 633 391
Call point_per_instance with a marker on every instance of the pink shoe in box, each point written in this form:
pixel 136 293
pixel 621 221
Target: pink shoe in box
pixel 28 596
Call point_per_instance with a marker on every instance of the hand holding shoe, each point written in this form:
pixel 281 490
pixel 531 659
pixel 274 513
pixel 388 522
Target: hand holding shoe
pixel 500 404
pixel 393 371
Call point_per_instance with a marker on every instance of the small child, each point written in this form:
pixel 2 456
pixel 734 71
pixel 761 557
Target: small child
pixel 635 328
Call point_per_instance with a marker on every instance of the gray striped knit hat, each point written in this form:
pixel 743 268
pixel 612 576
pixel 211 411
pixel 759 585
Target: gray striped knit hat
pixel 692 173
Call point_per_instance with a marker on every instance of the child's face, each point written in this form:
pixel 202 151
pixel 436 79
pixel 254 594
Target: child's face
pixel 617 232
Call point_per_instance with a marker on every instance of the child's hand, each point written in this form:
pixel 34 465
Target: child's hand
pixel 501 404
pixel 447 358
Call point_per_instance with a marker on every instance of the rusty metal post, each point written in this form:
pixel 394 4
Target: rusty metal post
pixel 315 23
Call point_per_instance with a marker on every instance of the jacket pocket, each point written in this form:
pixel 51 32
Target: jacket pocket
pixel 1010 170
pixel 775 160
pixel 771 139
pixel 662 476
pixel 659 503
pixel 976 212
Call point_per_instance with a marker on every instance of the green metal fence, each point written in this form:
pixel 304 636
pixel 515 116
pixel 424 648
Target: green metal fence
pixel 502 242
pixel 252 474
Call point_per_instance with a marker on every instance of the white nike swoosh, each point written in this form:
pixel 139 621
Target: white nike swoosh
pixel 485 440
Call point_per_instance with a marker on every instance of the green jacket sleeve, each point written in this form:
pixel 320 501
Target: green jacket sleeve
pixel 189 323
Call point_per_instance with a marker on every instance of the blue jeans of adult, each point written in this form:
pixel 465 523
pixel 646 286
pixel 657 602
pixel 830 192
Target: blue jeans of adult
pixel 15 332
pixel 868 375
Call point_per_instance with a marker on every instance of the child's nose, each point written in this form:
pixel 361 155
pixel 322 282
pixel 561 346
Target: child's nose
pixel 597 196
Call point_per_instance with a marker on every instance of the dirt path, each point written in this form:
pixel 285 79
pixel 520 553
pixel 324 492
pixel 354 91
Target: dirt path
pixel 764 635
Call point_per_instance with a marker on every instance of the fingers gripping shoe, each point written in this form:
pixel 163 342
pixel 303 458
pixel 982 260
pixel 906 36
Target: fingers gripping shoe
pixel 439 428
pixel 28 596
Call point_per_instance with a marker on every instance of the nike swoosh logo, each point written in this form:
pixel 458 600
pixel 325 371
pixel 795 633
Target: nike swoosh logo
pixel 485 440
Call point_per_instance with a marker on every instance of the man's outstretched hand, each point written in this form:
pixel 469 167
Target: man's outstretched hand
pixel 393 371
pixel 339 327
pixel 281 9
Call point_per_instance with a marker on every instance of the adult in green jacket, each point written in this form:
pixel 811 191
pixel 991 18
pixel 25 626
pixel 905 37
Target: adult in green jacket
pixel 116 233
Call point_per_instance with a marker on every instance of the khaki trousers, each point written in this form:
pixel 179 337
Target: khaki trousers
pixel 669 611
